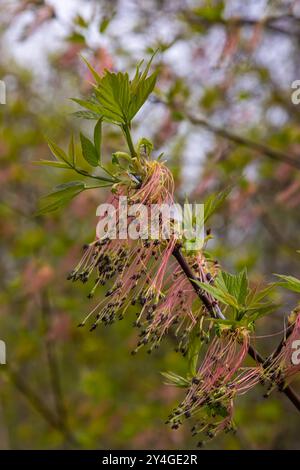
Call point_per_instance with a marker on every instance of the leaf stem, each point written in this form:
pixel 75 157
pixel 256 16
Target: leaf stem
pixel 128 137
pixel 100 178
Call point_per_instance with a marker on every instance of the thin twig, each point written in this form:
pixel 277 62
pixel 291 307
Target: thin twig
pixel 40 406
pixel 55 378
pixel 268 23
pixel 244 141
pixel 258 147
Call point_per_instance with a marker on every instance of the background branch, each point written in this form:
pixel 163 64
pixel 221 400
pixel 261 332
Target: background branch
pixel 39 405
pixel 55 378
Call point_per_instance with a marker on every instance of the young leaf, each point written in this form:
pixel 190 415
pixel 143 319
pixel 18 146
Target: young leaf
pixel 86 115
pixel 214 201
pixel 104 24
pixel 113 95
pixel 88 151
pixel 92 70
pixel 145 145
pixel 90 105
pixel 289 282
pixel 218 294
pixel 98 139
pixel 243 287
pixel 175 380
pixel 72 155
pixel 261 311
pixel 236 285
pixel 53 163
pixel 58 153
pixel 61 195
pixel 143 90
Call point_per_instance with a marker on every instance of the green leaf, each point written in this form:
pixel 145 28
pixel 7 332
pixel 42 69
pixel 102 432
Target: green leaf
pixel 80 21
pixel 230 289
pixel 143 90
pixel 243 287
pixel 92 70
pixel 118 99
pixel 255 296
pixel 105 23
pixel 113 95
pixel 145 145
pixel 51 163
pixel 289 282
pixel 218 294
pixel 236 285
pixel 72 155
pixel 88 151
pixel 141 87
pixel 88 104
pixel 58 153
pixel 176 380
pixel 214 201
pixel 76 38
pixel 86 115
pixel 61 195
pixel 122 160
pixel 255 313
pixel 98 139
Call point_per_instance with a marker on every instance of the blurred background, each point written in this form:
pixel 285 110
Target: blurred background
pixel 223 64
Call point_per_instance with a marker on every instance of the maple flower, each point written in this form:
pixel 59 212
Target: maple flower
pixel 137 267
pixel 214 387
pixel 286 363
pixel 179 306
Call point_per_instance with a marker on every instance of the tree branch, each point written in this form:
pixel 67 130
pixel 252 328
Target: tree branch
pixel 235 138
pixel 215 312
pixel 244 141
pixel 268 23
pixel 55 378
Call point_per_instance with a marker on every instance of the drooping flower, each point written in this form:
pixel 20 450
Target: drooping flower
pixel 136 267
pixel 179 306
pixel 286 363
pixel 210 396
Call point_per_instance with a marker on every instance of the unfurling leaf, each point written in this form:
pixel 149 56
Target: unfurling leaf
pixel 117 99
pixel 88 151
pixel 175 380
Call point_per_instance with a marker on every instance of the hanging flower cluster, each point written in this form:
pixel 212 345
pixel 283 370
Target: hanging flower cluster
pixel 286 362
pixel 140 271
pixel 212 389
pixel 137 267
